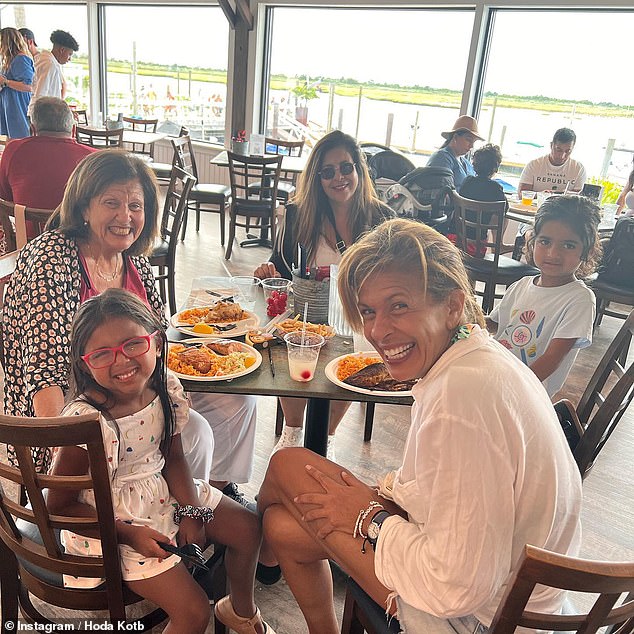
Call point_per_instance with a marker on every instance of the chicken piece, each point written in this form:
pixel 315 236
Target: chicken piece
pixel 195 357
pixel 224 347
pixel 224 311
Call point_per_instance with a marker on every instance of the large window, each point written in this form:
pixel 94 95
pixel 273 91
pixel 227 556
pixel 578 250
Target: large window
pixel 553 69
pixel 384 75
pixel 169 63
pixel 43 19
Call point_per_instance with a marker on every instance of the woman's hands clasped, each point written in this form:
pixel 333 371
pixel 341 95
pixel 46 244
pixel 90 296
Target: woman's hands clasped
pixel 338 506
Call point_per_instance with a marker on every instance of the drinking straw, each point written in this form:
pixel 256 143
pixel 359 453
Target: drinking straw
pixel 567 185
pixel 305 317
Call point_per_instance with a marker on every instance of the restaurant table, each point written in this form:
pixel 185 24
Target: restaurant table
pixel 319 391
pixel 135 136
pixel 526 214
pixel 293 164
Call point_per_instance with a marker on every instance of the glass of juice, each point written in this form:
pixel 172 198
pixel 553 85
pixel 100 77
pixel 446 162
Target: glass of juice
pixel 527 197
pixel 303 352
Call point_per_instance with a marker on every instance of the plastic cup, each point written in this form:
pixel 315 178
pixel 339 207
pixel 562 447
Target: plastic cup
pixel 541 197
pixel 609 212
pixel 303 351
pixel 276 291
pixel 247 288
pixel 527 197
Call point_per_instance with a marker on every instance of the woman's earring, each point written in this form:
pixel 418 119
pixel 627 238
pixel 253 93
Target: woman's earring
pixel 85 223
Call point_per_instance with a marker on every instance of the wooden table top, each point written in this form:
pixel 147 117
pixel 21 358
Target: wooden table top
pixel 293 164
pixel 262 383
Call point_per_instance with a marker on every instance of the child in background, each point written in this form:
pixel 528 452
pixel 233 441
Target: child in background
pixel 118 369
pixel 486 162
pixel 546 319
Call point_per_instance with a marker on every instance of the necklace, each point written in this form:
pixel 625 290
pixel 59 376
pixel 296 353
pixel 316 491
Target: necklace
pixel 106 277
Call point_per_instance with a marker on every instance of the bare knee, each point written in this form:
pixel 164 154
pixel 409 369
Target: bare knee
pixel 280 528
pixel 195 614
pixel 287 461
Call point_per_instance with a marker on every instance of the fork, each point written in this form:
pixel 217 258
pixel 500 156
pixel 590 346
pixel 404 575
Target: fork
pixel 189 553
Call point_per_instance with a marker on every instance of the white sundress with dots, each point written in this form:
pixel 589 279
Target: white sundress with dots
pixel 140 494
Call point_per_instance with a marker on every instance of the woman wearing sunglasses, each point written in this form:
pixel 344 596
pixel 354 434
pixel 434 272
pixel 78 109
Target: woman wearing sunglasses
pixel 335 203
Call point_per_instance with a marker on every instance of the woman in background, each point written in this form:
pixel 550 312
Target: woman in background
pixel 625 201
pixel 15 80
pixel 334 205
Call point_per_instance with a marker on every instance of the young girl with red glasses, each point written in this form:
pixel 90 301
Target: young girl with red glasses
pixel 118 369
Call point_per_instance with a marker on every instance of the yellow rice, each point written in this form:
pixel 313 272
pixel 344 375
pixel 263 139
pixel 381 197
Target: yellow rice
pixel 351 364
pixel 221 365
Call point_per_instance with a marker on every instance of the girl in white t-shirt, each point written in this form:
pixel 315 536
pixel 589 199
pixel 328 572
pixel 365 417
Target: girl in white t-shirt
pixel 546 319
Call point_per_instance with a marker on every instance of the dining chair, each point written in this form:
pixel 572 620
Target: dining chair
pixel 81 117
pixel 21 224
pixel 604 401
pixel 163 254
pixel 100 139
pixel 479 228
pixel 251 201
pixel 141 125
pixel 288 180
pixel 33 559
pixel 163 171
pixel 613 608
pixel 209 197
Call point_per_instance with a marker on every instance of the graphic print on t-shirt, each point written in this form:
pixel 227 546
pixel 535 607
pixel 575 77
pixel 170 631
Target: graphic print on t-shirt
pixel 522 334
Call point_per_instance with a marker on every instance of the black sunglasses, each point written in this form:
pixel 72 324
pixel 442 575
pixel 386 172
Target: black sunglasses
pixel 328 172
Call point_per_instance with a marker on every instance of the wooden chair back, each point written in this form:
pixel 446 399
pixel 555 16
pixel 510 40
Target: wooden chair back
pixel 479 228
pixel 610 580
pixel 81 117
pixel 284 148
pixel 254 181
pixel 100 139
pixel 604 401
pixel 19 221
pixel 142 125
pixel 184 154
pixel 33 558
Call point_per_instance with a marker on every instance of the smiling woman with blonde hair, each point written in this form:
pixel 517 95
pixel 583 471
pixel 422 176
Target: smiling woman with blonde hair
pixel 486 468
pixel 15 82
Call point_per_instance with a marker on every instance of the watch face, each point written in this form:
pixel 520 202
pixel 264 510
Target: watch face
pixel 373 531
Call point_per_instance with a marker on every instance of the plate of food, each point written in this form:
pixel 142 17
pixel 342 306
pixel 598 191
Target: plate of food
pixel 291 325
pixel 226 319
pixel 212 359
pixel 364 372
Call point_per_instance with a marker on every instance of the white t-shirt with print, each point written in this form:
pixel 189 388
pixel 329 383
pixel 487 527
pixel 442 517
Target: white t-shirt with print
pixel 529 317
pixel 542 175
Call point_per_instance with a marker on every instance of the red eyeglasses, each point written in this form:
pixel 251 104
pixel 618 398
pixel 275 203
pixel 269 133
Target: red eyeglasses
pixel 105 357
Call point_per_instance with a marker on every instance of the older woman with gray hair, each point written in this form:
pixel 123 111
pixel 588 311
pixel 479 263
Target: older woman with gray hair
pixel 106 224
pixel 486 468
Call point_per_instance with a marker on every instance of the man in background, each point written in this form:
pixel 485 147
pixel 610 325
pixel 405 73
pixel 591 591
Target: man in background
pixel 49 78
pixel 34 171
pixel 28 35
pixel 555 172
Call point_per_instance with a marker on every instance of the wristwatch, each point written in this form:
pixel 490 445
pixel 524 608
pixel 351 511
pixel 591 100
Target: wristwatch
pixel 374 528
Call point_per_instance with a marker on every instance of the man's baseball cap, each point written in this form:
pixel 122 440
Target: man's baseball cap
pixel 28 35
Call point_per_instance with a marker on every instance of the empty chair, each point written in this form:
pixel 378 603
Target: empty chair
pixel 163 171
pixel 164 253
pixel 99 138
pixel 603 402
pixel 288 180
pixel 141 125
pixel 81 116
pixel 204 196
pixel 28 223
pixel 479 227
pixel 254 182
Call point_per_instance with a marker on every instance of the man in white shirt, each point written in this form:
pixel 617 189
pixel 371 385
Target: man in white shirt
pixel 555 172
pixel 49 79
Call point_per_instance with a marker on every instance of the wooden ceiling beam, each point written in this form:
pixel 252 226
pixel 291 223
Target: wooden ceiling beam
pixel 230 14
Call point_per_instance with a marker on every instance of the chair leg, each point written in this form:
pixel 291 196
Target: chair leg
pixel 171 289
pixel 222 224
pixel 184 229
pixel 279 418
pixel 232 235
pixel 197 217
pixel 369 421
pixel 601 306
pixel 350 624
pixel 10 588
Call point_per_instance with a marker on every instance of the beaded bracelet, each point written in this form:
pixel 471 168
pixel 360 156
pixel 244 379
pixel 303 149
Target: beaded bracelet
pixel 363 514
pixel 203 513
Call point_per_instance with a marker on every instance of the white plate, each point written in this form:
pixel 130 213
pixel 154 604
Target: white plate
pixel 225 377
pixel 331 374
pixel 251 322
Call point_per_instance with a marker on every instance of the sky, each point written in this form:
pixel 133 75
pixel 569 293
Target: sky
pixel 569 56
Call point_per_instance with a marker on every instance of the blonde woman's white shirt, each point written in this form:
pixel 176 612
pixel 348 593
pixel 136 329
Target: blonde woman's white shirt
pixel 486 470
